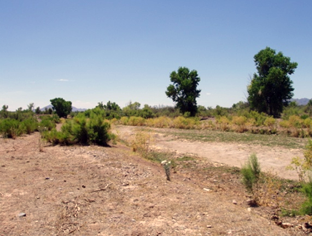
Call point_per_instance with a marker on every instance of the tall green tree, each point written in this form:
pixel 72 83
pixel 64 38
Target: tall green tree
pixel 61 107
pixel 271 88
pixel 184 90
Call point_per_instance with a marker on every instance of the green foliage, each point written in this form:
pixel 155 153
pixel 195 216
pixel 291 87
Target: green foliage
pixel 306 207
pixel 308 108
pixel 61 107
pixel 81 130
pixel 38 111
pixel 271 88
pixel 184 90
pixel 161 111
pixel 109 111
pixel 146 112
pixel 11 128
pixel 31 107
pixel 132 109
pixel 251 173
pixel 47 123
pixel 4 112
pixel 29 125
pixel 303 165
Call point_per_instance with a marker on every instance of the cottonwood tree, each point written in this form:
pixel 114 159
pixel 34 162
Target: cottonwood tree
pixel 61 107
pixel 271 88
pixel 184 90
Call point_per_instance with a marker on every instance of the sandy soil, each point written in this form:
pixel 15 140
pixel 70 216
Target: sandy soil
pixel 274 160
pixel 90 190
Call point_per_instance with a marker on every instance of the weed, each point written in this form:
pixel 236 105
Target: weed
pixel 306 207
pixel 302 165
pixel 251 173
pixel 141 143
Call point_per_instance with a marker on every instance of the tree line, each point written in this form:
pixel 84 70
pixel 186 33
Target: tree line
pixel 270 91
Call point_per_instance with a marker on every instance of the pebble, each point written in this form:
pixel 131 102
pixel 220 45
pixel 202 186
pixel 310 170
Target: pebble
pixel 234 202
pixel 209 226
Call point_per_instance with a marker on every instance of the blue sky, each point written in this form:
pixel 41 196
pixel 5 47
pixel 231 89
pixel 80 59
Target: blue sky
pixel 124 50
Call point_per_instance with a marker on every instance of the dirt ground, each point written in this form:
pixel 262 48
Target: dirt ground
pixel 273 160
pixel 91 190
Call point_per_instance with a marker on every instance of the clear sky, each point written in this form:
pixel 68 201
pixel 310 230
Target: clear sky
pixel 124 50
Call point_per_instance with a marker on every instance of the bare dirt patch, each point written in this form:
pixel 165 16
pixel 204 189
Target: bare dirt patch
pixel 90 190
pixel 273 159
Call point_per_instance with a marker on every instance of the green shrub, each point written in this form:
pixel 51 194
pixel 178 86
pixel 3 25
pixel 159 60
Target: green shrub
pixel 251 173
pixel 295 121
pixel 269 122
pixel 81 130
pixel 136 121
pixel 29 125
pixel 48 124
pixel 98 131
pixel 306 207
pixel 11 128
pixel 307 123
pixel 124 120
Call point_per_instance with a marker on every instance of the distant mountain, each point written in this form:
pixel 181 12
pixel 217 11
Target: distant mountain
pixel 301 101
pixel 74 109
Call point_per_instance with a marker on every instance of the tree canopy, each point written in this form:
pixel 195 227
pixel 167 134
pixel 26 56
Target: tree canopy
pixel 184 90
pixel 61 107
pixel 271 88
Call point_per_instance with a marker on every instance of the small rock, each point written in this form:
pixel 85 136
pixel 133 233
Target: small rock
pixel 234 202
pixel 209 226
pixel 83 186
pixel 22 214
pixel 207 189
pixel 47 178
pixel 249 209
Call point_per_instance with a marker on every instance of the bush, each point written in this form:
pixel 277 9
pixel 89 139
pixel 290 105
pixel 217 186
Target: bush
pixel 29 125
pixel 81 130
pixel 160 122
pixel 240 123
pixel 269 122
pixel 295 121
pixel 136 121
pixel 48 124
pixel 11 128
pixel 307 123
pixel 223 121
pixel 251 173
pixel 181 122
pixel 306 207
pixel 124 120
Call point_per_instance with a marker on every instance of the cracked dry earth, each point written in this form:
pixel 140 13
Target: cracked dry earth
pixel 91 190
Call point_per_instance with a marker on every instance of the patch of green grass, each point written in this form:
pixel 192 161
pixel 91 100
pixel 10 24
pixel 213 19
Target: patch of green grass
pixel 232 137
pixel 158 156
pixel 289 213
pixel 185 158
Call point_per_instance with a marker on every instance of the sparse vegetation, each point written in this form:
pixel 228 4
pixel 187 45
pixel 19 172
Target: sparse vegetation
pixel 251 173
